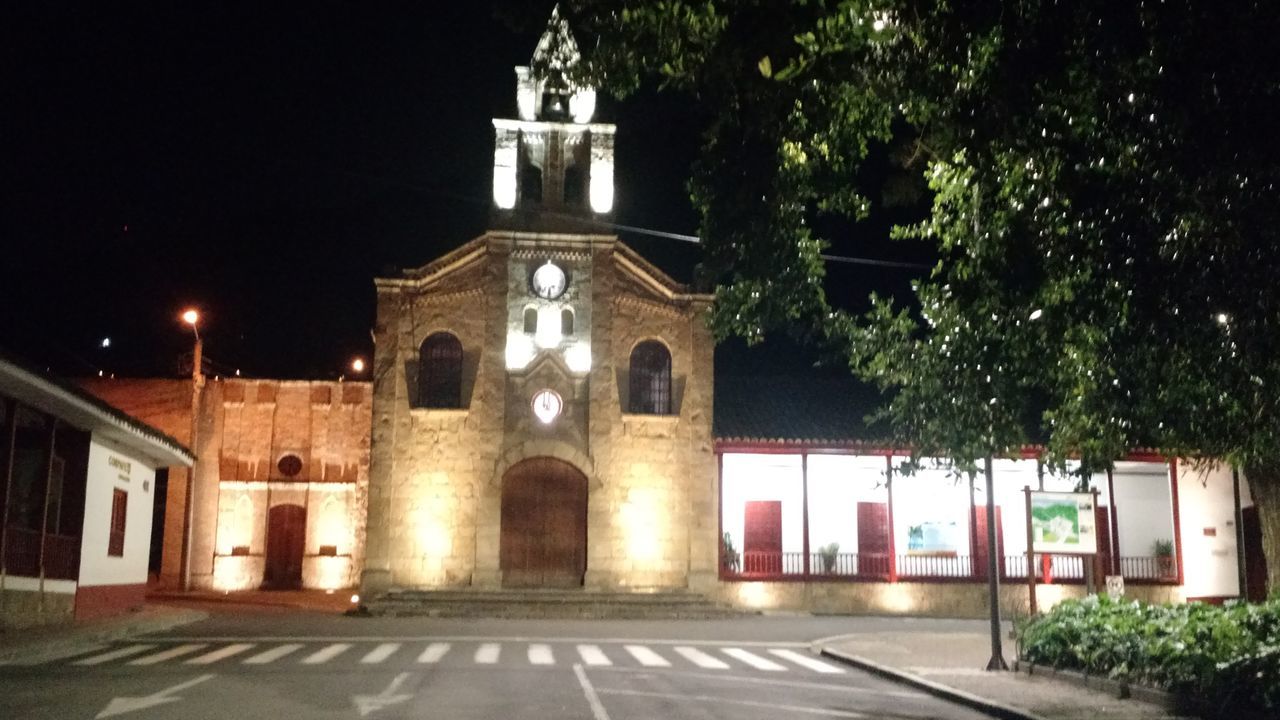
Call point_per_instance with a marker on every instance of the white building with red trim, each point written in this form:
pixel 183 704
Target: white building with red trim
pixel 77 489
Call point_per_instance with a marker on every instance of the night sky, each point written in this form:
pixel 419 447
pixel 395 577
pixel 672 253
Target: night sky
pixel 265 164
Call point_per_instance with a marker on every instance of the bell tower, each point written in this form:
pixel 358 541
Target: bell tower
pixel 552 166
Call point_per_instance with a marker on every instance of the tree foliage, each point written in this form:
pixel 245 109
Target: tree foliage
pixel 1104 205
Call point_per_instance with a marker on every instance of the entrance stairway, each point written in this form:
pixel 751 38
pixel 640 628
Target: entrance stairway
pixel 548 603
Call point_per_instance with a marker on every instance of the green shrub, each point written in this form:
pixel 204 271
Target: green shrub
pixel 1224 659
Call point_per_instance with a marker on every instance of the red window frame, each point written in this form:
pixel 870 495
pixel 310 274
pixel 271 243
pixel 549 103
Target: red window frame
pixel 119 516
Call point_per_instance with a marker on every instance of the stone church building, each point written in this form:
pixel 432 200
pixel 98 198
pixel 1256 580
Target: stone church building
pixel 542 401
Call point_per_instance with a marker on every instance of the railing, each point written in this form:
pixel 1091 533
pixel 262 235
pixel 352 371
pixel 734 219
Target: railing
pixel 863 565
pixel 932 566
pixel 61 557
pixel 872 566
pixel 1148 568
pixel 22 554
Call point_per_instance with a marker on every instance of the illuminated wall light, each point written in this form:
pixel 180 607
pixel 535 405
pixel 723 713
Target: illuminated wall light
pixel 548 335
pixel 602 185
pixel 645 521
pixel 578 357
pixel 520 351
pixel 504 169
pixel 333 528
pixel 756 595
pixel 582 105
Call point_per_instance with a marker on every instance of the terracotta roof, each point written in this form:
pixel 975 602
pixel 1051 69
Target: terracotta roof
pixel 795 410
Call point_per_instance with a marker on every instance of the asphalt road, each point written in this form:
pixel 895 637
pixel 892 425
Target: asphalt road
pixel 289 664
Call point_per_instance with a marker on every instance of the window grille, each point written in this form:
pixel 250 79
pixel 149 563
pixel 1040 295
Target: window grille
pixel 650 379
pixel 440 372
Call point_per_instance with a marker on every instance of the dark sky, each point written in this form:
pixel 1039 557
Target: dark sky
pixel 265 164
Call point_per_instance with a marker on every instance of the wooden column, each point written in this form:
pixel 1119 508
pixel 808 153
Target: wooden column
pixel 1177 519
pixel 893 551
pixel 804 495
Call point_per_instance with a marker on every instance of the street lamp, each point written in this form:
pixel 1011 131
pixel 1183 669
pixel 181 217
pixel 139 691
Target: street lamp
pixel 191 317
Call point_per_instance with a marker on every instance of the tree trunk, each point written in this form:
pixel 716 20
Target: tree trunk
pixel 1264 487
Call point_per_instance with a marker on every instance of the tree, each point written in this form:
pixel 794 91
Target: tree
pixel 1104 206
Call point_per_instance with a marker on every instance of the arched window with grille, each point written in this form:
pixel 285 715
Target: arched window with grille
pixel 650 379
pixel 566 322
pixel 530 321
pixel 440 372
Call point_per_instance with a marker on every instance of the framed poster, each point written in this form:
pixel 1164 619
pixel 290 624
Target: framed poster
pixel 1063 523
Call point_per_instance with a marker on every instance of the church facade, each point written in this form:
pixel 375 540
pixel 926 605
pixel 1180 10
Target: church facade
pixel 542 401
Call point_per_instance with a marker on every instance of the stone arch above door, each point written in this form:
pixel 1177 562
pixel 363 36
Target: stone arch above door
pixel 545 448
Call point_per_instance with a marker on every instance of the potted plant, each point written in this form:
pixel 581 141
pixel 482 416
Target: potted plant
pixel 728 554
pixel 1163 552
pixel 829 553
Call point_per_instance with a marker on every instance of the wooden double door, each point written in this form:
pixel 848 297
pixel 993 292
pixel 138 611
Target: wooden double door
pixel 544 525
pixel 286 540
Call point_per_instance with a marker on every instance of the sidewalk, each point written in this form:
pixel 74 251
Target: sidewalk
pixel 31 646
pixel 948 657
pixel 336 602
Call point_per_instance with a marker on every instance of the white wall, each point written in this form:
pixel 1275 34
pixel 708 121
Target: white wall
pixel 764 477
pixel 96 567
pixel 837 483
pixel 1205 502
pixel 1144 506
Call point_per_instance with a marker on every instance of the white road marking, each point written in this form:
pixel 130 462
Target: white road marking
pixel 272 655
pixel 829 712
pixel 476 639
pixel 701 659
pixel 593 655
pixel 487 654
pixel 123 652
pixel 367 704
pixel 754 679
pixel 589 692
pixel 220 654
pixel 326 654
pixel 122 705
pixel 380 653
pixel 647 657
pixel 434 652
pixel 752 659
pixel 540 654
pixel 806 661
pixel 169 654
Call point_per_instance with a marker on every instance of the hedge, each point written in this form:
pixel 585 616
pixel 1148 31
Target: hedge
pixel 1221 660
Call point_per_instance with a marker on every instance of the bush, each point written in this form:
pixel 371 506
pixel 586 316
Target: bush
pixel 1225 660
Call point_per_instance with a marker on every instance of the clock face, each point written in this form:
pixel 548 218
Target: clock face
pixel 547 406
pixel 548 281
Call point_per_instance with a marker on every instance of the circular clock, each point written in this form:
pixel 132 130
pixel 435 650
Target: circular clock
pixel 548 281
pixel 547 405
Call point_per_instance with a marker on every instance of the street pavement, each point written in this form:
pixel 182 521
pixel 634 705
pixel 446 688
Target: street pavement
pixel 271 663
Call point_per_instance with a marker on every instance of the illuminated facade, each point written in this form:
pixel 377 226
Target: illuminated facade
pixel 542 398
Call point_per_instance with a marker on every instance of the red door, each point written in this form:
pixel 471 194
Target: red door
pixel 762 537
pixel 544 525
pixel 980 556
pixel 873 539
pixel 286 539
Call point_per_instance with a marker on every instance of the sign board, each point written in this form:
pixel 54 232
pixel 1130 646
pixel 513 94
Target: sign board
pixel 1115 586
pixel 1063 523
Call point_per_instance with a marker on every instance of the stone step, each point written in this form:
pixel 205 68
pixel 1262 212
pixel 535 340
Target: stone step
pixel 545 604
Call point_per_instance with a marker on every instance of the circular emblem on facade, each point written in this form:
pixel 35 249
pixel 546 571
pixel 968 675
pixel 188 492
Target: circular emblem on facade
pixel 548 281
pixel 547 406
pixel 289 465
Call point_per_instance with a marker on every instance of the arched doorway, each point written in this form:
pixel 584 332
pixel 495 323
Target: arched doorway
pixel 544 524
pixel 286 539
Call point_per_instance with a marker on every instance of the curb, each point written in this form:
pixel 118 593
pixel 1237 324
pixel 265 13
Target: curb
pixel 235 599
pixel 981 704
pixel 76 640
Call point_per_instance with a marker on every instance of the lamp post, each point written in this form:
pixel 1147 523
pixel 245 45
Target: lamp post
pixel 192 318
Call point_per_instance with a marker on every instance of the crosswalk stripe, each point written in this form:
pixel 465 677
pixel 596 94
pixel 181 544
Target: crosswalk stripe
pixel 326 654
pixel 540 654
pixel 380 653
pixel 220 654
pixel 646 656
pixel 752 659
pixel 487 654
pixel 434 652
pixel 593 655
pixel 806 661
pixel 169 654
pixel 123 652
pixel 701 659
pixel 272 655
